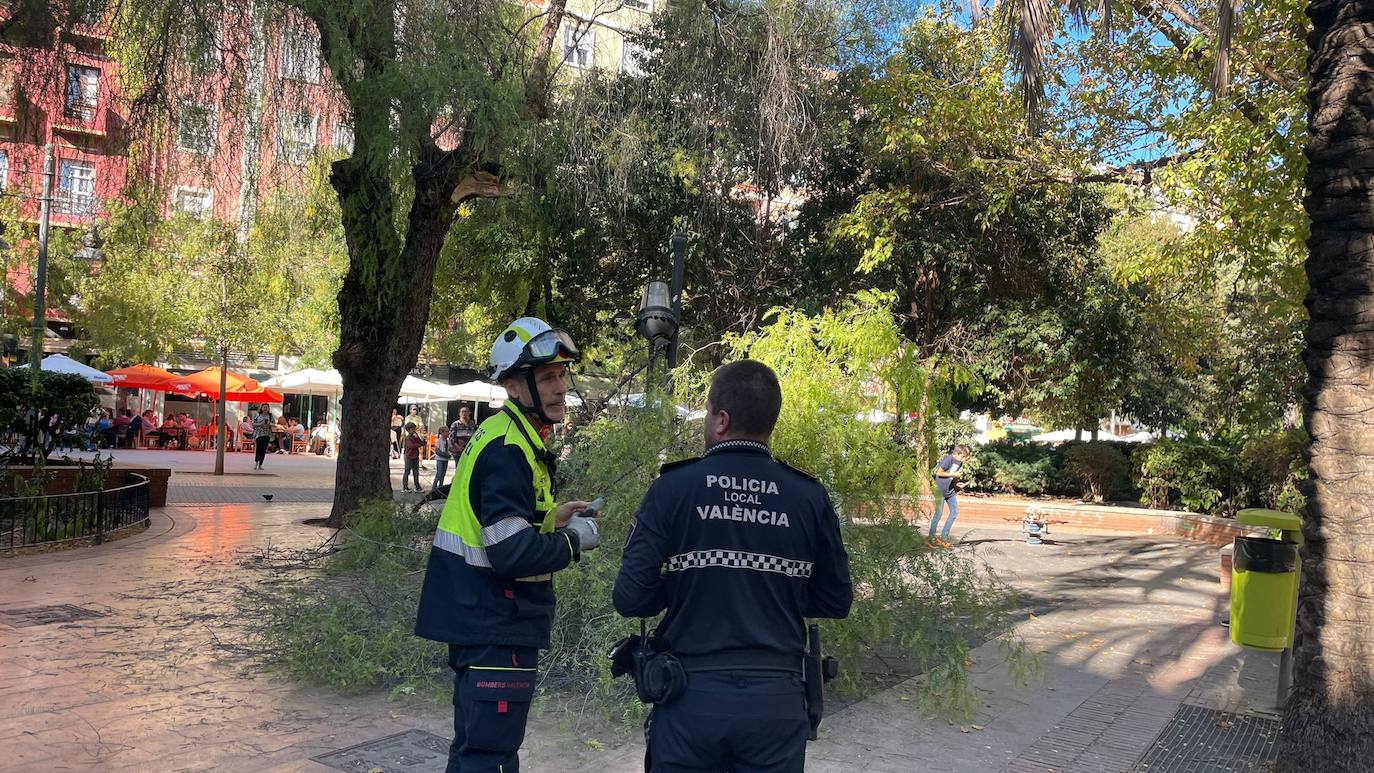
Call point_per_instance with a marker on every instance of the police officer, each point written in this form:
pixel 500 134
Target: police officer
pixel 488 590
pixel 737 548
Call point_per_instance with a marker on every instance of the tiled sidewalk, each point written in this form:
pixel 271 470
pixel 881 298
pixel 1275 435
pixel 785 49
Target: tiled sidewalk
pixel 1124 627
pixel 289 478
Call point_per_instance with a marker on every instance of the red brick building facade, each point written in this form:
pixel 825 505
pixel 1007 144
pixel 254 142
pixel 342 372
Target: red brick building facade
pixel 249 107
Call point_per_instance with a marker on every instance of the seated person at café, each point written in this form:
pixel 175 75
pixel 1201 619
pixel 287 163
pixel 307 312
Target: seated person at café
pixel 246 427
pixel 297 430
pixel 320 439
pixel 121 424
pixel 104 428
pixel 146 426
pixel 169 430
pixel 281 435
pixel 188 428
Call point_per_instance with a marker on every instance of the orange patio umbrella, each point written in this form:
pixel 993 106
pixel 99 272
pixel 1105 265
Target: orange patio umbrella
pixel 142 377
pixel 238 388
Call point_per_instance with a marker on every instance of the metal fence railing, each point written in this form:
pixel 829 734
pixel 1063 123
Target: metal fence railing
pixel 51 518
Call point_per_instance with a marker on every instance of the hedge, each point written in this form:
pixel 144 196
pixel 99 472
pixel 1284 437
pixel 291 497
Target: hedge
pixel 1216 477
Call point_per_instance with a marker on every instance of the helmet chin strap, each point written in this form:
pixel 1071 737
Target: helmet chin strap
pixel 538 407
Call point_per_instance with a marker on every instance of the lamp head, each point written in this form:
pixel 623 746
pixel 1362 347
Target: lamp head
pixel 655 319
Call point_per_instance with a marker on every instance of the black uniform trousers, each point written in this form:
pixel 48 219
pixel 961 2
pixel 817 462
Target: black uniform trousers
pixel 735 721
pixel 492 690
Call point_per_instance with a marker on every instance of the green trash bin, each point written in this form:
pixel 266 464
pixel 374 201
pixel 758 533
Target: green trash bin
pixel 1264 587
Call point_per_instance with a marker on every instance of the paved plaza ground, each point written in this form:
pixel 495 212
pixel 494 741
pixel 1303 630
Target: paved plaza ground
pixel 108 661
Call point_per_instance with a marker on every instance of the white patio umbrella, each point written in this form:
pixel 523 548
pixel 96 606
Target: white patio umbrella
pixel 483 392
pixel 61 363
pixel 309 381
pixel 418 390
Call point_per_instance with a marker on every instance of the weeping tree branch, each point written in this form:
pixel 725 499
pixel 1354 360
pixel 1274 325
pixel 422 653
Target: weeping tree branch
pixel 537 80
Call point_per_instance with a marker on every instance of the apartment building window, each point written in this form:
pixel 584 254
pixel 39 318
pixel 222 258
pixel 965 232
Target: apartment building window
pixel 296 133
pixel 7 78
pixel 76 188
pixel 4 170
pixel 300 55
pixel 196 129
pixel 203 45
pixel 83 92
pixel 89 12
pixel 198 202
pixel 579 45
pixel 343 135
pixel 633 58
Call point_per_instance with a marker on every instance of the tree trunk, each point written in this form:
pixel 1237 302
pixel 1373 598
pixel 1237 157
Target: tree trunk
pixel 219 404
pixel 924 462
pixel 1328 720
pixel 383 309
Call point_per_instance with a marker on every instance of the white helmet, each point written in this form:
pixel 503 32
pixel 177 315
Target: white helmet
pixel 528 342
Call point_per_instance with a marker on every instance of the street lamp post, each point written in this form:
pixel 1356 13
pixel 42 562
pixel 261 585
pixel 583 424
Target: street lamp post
pixel 4 297
pixel 675 292
pixel 660 310
pixel 40 321
pixel 655 320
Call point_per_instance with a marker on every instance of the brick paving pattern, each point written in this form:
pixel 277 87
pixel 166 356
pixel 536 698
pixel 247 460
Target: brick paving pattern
pixel 1124 627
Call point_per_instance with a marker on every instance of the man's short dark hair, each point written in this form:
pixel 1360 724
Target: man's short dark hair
pixel 748 390
pixel 961 448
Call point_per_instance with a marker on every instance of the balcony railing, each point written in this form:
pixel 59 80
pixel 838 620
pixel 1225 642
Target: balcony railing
pixel 70 203
pixel 83 111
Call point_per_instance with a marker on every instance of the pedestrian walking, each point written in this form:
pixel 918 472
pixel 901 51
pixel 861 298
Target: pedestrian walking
pixel 413 444
pixel 396 422
pixel 461 431
pixel 262 435
pixel 948 479
pixel 441 457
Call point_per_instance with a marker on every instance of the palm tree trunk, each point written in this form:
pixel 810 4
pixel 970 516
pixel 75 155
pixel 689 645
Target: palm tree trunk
pixel 1328 720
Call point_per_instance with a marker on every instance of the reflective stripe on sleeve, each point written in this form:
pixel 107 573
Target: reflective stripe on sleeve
pixel 504 528
pixel 452 543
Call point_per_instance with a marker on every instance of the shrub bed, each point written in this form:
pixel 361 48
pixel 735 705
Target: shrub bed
pixel 1214 477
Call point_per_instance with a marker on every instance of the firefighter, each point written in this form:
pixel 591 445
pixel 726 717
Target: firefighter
pixel 488 589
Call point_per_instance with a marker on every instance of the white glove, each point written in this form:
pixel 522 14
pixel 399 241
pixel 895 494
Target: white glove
pixel 588 533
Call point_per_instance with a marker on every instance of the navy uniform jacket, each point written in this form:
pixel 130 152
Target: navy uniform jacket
pixel 739 549
pixel 494 584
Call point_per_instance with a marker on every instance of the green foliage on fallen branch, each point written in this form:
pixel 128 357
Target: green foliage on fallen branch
pixel 343 617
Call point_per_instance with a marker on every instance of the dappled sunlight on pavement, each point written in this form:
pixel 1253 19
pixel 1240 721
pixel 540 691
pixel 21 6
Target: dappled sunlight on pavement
pixel 136 681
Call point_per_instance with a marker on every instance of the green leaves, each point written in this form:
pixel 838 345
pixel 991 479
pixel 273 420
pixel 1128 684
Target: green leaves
pixel 183 283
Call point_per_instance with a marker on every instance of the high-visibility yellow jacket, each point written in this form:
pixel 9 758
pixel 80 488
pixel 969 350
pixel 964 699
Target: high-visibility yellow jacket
pixel 490 574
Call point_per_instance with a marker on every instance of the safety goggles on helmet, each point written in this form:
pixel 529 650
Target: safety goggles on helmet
pixel 553 345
